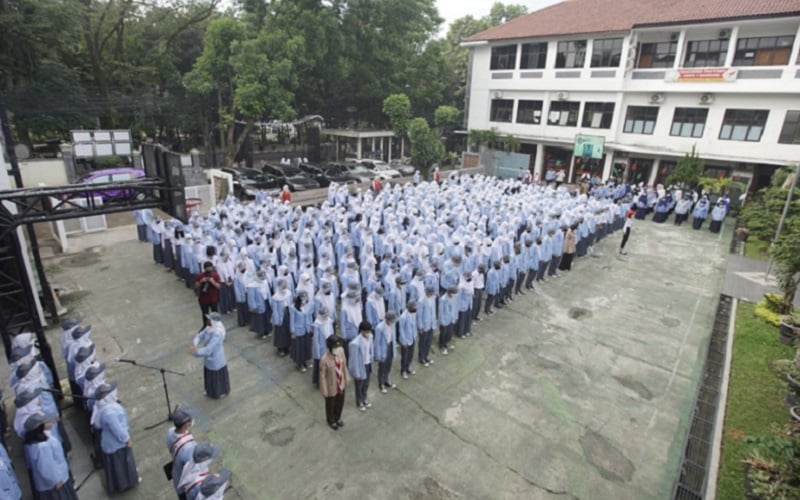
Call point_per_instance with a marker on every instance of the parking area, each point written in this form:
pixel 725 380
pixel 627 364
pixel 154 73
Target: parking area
pixel 581 389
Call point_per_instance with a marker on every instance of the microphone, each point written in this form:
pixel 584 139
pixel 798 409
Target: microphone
pixel 123 360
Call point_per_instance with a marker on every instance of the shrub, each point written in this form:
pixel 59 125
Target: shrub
pixel 765 312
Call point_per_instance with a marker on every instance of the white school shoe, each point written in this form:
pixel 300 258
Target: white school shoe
pixel 405 376
pixel 383 390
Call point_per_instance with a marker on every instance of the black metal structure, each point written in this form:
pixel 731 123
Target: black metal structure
pixel 162 188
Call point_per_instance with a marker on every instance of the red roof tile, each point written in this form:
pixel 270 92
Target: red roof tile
pixel 599 16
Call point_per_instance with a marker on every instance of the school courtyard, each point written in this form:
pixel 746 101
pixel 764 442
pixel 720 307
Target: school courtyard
pixel 580 389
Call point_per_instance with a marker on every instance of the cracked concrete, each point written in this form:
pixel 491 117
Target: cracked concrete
pixel 540 403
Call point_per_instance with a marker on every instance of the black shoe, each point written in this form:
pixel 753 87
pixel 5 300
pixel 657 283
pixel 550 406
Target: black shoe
pixel 340 423
pixel 334 426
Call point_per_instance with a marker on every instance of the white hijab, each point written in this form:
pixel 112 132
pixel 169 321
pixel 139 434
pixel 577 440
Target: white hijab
pixel 192 471
pixel 100 405
pixel 351 309
pixel 22 414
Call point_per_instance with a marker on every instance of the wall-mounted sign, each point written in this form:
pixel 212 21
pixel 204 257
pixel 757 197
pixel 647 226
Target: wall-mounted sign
pixel 693 75
pixel 589 146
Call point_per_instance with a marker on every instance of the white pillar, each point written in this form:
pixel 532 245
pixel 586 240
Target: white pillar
pixel 608 165
pixel 389 141
pixel 654 172
pixel 539 161
pixel 402 147
pixel 358 147
pixel 731 47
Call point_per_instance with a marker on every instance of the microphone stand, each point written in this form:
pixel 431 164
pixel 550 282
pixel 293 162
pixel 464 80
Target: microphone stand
pixel 163 372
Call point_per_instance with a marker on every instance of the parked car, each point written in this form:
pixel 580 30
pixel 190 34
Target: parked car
pixel 404 168
pixel 356 170
pixel 113 175
pixel 248 181
pixel 290 176
pixel 381 169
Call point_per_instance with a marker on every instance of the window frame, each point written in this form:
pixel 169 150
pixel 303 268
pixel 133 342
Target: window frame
pixel 523 102
pixel 578 50
pixel 571 108
pixel 606 109
pixel 689 117
pixel 761 44
pixel 705 47
pixel 605 58
pixel 657 62
pixel 493 110
pixel 496 56
pixel 533 48
pixel 640 114
pixel 786 130
pixel 747 118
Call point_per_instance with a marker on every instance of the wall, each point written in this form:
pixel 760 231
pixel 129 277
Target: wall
pixel 34 172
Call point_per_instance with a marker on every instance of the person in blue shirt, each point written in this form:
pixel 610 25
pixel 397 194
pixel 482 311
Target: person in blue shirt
pixel 141 225
pixel 426 322
pixel 9 486
pixel 351 317
pixel 384 347
pixel 208 344
pixel 406 338
pixel 46 461
pixel 300 325
pixel 279 304
pixel 322 330
pixel 115 440
pixel 700 213
pixel 240 295
pixel 682 209
pixel 717 216
pixel 180 444
pixel 492 287
pixel 448 315
pixel 359 363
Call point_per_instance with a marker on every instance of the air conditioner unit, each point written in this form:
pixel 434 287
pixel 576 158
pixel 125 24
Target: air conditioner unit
pixel 673 37
pixel 706 99
pixel 497 94
pixel 656 98
pixel 724 34
pixel 562 96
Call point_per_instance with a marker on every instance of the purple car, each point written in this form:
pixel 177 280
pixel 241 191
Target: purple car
pixel 113 175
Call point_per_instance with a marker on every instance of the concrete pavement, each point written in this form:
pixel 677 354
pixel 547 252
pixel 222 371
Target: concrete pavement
pixel 581 389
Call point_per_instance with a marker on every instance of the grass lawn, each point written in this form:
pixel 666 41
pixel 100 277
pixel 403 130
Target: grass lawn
pixel 756 249
pixel 755 396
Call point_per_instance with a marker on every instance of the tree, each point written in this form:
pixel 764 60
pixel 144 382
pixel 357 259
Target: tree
pixel 426 148
pixel 787 262
pixel 447 119
pixel 398 108
pixel 688 171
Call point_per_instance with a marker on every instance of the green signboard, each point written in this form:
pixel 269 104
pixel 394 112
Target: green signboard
pixel 589 146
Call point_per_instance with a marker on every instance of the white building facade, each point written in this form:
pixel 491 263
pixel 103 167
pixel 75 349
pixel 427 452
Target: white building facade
pixel 653 90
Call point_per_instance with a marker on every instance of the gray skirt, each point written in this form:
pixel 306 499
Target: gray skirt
pixel 217 382
pixel 66 492
pixel 120 470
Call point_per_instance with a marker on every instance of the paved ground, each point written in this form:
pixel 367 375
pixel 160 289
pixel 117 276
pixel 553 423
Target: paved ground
pixel 581 389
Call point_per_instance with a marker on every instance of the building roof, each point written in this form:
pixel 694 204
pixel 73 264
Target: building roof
pixel 600 16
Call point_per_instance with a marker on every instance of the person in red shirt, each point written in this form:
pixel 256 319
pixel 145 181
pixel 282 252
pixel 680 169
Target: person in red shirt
pixel 286 195
pixel 437 177
pixel 207 285
pixel 376 185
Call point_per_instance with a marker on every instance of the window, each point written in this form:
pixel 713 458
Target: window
pixel 606 53
pixel 100 179
pixel 689 122
pixel 790 133
pixel 641 120
pixel 598 114
pixel 534 55
pixel 122 177
pixel 657 55
pixel 529 112
pixel 504 57
pixel 706 53
pixel 763 51
pixel 501 110
pixel 743 125
pixel 564 113
pixel 571 54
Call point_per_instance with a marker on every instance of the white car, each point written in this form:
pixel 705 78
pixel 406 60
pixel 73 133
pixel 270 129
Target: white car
pixel 381 169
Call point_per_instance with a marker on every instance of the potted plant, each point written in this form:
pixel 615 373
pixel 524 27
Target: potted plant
pixel 772 468
pixel 789 329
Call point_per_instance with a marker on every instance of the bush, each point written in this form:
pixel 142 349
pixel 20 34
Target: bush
pixel 766 313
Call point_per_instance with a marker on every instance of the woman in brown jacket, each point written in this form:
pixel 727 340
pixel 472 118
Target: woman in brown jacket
pixel 333 379
pixel 569 248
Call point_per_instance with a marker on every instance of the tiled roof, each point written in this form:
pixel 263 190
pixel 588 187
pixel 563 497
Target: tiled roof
pixel 599 16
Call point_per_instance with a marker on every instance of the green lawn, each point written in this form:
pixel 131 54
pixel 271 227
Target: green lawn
pixel 756 249
pixel 755 396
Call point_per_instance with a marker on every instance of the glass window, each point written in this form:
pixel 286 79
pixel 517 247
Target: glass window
pixel 598 114
pixel 763 51
pixel 504 57
pixel 689 122
pixel 606 53
pixel 534 56
pixel 100 179
pixel 122 177
pixel 705 53
pixel 501 110
pixel 657 55
pixel 571 54
pixel 564 113
pixel 641 120
pixel 743 125
pixel 790 133
pixel 529 112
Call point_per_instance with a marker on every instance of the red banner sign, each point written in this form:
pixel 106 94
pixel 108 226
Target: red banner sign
pixel 702 75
